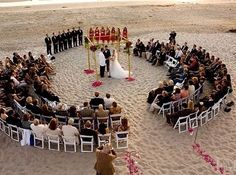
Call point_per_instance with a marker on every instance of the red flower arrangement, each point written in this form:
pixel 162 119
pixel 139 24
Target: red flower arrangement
pixel 131 163
pixel 88 71
pixel 93 48
pixel 97 83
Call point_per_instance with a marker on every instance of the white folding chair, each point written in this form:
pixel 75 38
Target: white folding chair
pixel 38 141
pixel 122 138
pixel 61 119
pixel 216 109
pixel 166 107
pixel 2 125
pixel 91 119
pixel 193 120
pixel 104 120
pixel 14 132
pixel 115 120
pixel 53 140
pixel 182 122
pixel 69 141
pixel 46 118
pixel 176 105
pixel 203 117
pixel 86 141
pixel 104 138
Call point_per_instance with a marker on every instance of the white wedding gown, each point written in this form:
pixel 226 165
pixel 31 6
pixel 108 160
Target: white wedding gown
pixel 116 71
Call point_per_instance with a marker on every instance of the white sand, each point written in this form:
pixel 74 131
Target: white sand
pixel 162 149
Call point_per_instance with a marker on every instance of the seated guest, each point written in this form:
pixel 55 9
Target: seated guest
pixel 46 111
pixel 26 122
pixel 88 131
pixel 124 125
pixel 137 48
pixel 173 118
pixel 14 120
pixel 101 113
pixel 195 82
pixel 29 103
pixel 94 102
pixel 53 129
pixel 46 93
pixel 61 109
pixel 170 86
pixel 72 112
pixel 37 128
pixel 70 131
pixel 191 88
pixel 115 109
pixel 184 92
pixel 102 129
pixel 86 111
pixel 176 95
pixel 35 108
pixel 153 93
pixel 161 99
pixel 3 114
pixel 108 101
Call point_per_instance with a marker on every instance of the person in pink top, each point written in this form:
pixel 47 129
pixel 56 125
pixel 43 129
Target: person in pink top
pixel 184 92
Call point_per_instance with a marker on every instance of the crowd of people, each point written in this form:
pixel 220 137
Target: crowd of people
pixel 26 81
pixel 194 66
pixel 63 40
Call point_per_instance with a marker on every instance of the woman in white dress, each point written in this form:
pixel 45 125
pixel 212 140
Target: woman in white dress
pixel 116 71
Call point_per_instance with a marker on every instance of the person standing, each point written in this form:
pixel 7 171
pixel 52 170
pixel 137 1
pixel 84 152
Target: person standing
pixel 69 38
pixel 60 40
pixel 102 61
pixel 74 35
pixel 105 155
pixel 55 43
pixel 107 55
pixel 48 42
pixel 80 36
pixel 64 38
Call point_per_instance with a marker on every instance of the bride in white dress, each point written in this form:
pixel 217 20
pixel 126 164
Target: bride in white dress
pixel 116 71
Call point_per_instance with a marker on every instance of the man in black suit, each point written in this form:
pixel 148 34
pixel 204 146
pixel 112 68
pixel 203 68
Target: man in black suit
pixel 88 131
pixel 48 42
pixel 107 55
pixel 74 35
pixel 55 43
pixel 65 40
pixel 80 36
pixel 60 40
pixel 94 102
pixel 69 38
pixel 185 47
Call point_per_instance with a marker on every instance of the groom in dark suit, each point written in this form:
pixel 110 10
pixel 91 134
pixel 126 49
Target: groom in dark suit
pixel 107 55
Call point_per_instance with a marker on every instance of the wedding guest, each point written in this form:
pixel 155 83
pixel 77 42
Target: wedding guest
pixel 88 131
pixel 35 108
pixel 46 111
pixel 72 112
pixel 176 95
pixel 80 36
pixel 101 113
pixel 153 93
pixel 94 102
pixel 105 156
pixel 74 37
pixel 14 120
pixel 48 42
pixel 108 101
pixel 3 113
pixel 55 43
pixel 61 109
pixel 102 129
pixel 53 129
pixel 70 131
pixel 86 111
pixel 124 125
pixel 115 109
pixel 184 92
pixel 26 122
pixel 191 88
pixel 29 103
pixel 38 129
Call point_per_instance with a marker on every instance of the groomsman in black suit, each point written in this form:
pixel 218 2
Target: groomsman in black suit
pixel 74 35
pixel 80 36
pixel 107 55
pixel 60 40
pixel 48 42
pixel 55 43
pixel 64 38
pixel 69 38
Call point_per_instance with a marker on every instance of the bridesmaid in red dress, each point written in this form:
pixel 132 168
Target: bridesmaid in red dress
pixel 108 35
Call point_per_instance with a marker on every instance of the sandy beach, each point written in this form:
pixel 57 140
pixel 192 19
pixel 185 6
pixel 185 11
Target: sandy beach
pixel 163 150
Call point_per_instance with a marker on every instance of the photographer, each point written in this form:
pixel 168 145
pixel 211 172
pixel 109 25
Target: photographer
pixel 105 155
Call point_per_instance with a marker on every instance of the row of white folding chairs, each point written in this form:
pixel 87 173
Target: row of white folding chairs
pixel 121 141
pixel 199 120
